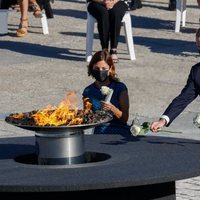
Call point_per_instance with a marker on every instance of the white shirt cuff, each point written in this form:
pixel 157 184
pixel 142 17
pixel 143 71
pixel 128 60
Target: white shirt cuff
pixel 166 118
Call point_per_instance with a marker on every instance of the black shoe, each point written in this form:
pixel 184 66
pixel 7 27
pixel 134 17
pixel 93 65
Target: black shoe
pixel 172 5
pixel 135 4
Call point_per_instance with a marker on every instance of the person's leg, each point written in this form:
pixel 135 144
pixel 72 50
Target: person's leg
pixel 22 30
pixel 135 4
pixel 36 8
pixel 172 5
pixel 116 16
pixel 198 39
pixel 198 3
pixel 24 9
pixel 100 13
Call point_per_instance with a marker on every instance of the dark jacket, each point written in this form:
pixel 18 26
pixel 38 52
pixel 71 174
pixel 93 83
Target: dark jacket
pixel 187 95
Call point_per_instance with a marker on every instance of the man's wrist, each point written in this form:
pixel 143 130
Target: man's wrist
pixel 165 118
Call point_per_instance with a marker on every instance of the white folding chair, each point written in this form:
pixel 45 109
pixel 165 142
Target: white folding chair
pixel 180 14
pixel 126 21
pixel 44 22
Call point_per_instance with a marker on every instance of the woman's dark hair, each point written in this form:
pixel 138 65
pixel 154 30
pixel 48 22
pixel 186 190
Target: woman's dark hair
pixel 103 55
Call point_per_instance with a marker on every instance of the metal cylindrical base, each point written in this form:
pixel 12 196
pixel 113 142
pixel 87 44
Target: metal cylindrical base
pixel 60 149
pixel 3 21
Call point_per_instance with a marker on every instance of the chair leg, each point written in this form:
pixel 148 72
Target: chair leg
pixel 178 15
pixel 184 12
pixel 129 36
pixel 45 28
pixel 3 21
pixel 89 36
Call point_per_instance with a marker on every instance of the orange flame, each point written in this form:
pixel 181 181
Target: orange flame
pixel 18 115
pixel 87 105
pixel 65 113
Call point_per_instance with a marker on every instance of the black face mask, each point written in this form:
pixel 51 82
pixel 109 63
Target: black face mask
pixel 100 75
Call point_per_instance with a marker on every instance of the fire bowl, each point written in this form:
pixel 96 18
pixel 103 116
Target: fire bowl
pixel 59 145
pixel 90 120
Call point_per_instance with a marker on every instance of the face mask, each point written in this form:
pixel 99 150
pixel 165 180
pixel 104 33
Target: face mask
pixel 100 75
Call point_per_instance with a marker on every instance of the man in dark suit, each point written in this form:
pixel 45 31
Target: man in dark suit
pixel 187 95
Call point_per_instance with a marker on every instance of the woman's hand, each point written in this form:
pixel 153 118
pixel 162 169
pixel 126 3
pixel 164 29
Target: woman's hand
pixel 107 106
pixel 114 110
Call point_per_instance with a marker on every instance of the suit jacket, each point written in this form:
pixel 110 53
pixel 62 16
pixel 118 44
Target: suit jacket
pixel 187 95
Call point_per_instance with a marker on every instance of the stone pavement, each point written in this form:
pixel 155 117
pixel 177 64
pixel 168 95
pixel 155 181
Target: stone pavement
pixel 38 70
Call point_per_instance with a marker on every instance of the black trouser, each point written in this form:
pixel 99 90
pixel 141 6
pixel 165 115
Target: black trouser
pixel 5 4
pixel 108 22
pixel 45 4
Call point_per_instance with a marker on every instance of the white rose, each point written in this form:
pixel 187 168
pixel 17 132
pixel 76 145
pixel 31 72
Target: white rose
pixel 105 90
pixel 135 130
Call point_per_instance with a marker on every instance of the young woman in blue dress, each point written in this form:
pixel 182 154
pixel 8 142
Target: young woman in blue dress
pixel 102 69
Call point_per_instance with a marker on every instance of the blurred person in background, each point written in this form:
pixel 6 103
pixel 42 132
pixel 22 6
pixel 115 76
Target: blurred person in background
pixel 109 14
pixel 24 7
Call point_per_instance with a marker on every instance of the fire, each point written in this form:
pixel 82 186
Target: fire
pixel 18 115
pixel 66 113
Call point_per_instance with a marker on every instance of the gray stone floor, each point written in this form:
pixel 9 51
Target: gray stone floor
pixel 38 70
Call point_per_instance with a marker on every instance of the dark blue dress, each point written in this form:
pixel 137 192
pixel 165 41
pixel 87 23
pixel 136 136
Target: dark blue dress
pixel 94 93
